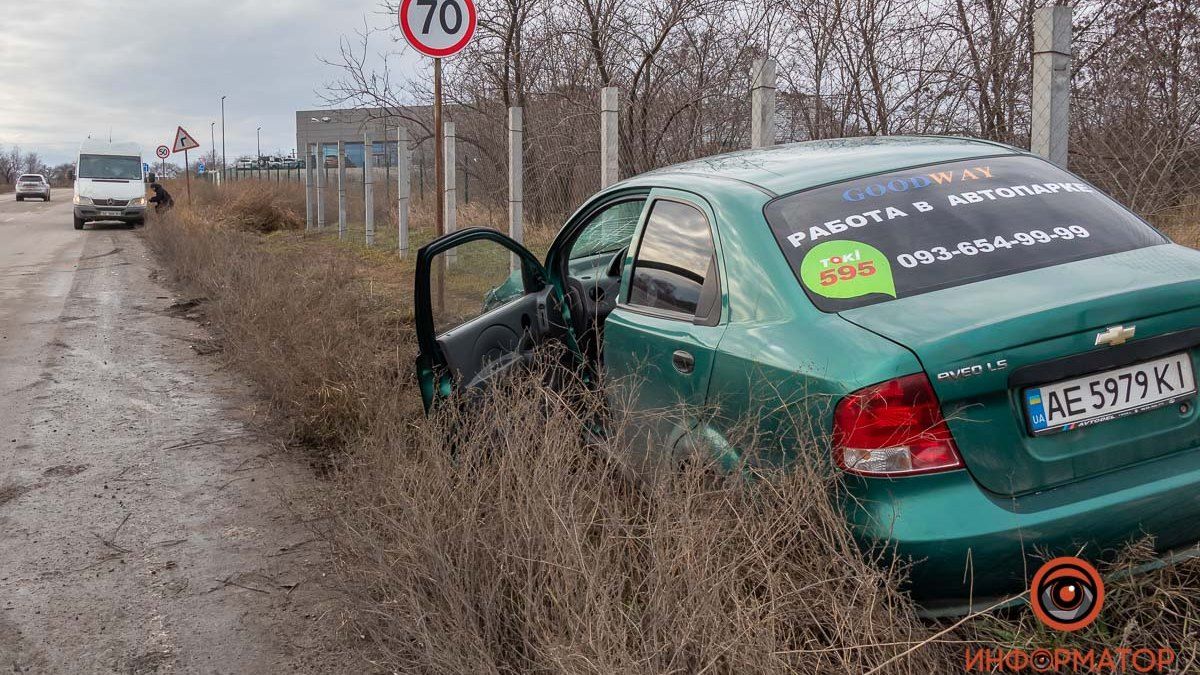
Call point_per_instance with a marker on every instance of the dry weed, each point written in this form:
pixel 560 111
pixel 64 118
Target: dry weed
pixel 501 539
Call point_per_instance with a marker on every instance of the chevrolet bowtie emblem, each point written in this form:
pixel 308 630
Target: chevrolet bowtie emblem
pixel 1116 335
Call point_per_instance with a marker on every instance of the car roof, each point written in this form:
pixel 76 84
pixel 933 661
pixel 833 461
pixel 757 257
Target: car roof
pixel 783 169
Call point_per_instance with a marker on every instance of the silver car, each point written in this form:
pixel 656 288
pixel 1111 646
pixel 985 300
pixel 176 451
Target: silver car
pixel 33 185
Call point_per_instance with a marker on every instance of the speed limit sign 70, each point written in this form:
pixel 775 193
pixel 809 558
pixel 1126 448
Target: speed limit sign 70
pixel 438 28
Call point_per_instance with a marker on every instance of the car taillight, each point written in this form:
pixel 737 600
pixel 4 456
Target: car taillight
pixel 893 429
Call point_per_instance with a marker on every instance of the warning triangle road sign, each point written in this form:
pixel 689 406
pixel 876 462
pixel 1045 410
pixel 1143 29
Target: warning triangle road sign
pixel 184 141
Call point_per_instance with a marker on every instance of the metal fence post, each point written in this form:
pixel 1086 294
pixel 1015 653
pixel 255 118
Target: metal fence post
pixel 610 142
pixel 341 177
pixel 516 182
pixel 319 168
pixel 1051 101
pixel 762 103
pixel 309 188
pixel 403 189
pixel 368 191
pixel 451 218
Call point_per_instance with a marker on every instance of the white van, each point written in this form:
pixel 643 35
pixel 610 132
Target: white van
pixel 110 183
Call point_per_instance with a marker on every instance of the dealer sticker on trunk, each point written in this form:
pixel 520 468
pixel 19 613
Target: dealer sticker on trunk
pixel 1109 395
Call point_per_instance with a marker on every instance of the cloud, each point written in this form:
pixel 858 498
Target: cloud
pixel 79 67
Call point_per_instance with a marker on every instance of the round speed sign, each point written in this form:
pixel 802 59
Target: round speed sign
pixel 163 152
pixel 438 28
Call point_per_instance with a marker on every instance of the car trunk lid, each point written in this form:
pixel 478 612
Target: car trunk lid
pixel 983 344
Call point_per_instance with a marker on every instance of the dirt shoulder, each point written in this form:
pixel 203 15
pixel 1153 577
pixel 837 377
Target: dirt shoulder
pixel 144 524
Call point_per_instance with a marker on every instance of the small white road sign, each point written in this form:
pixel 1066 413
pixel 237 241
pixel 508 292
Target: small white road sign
pixel 438 28
pixel 163 152
pixel 184 141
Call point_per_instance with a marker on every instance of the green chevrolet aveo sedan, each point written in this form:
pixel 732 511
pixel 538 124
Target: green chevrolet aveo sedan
pixel 998 356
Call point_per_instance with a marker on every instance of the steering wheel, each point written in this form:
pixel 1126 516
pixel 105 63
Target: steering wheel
pixel 617 263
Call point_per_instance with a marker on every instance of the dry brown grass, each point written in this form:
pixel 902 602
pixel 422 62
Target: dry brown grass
pixel 329 349
pixel 500 540
pixel 495 539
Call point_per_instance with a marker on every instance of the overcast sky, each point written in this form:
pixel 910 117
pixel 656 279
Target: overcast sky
pixel 70 68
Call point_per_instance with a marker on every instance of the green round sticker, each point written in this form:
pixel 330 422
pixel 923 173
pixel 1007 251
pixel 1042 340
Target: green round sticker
pixel 847 269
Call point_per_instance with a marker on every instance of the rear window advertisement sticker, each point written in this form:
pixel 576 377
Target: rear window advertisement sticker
pixel 946 225
pixel 847 269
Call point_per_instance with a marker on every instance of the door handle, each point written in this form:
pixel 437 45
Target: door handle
pixel 683 361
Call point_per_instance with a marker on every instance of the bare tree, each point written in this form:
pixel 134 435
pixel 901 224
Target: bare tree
pixel 847 67
pixel 10 165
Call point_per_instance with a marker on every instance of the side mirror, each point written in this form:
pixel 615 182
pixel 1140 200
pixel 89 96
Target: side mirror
pixel 151 178
pixel 71 175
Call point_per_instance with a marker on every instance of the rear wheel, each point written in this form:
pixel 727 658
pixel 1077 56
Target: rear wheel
pixel 20 198
pixel 78 223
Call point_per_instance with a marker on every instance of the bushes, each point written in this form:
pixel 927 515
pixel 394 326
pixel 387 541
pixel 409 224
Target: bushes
pixel 328 352
pixel 266 207
pixel 495 539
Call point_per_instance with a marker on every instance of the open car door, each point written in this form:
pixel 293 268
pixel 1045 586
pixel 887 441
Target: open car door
pixel 477 317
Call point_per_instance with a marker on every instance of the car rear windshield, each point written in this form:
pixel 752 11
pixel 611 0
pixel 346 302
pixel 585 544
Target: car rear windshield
pixel 117 167
pixel 30 179
pixel 909 232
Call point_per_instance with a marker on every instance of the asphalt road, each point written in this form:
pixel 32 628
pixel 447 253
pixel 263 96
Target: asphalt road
pixel 144 525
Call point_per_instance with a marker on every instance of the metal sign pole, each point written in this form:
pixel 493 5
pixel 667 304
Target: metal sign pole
pixel 187 175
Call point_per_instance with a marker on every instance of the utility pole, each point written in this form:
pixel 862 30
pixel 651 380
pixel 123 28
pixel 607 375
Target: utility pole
pixel 224 167
pixel 309 187
pixel 610 143
pixel 212 137
pixel 322 179
pixel 516 182
pixel 341 179
pixel 258 137
pixel 369 189
pixel 403 188
pixel 762 103
pixel 1050 109
pixel 450 193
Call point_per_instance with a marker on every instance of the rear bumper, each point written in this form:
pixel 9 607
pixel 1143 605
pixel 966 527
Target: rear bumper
pixel 125 214
pixel 971 547
pixel 33 193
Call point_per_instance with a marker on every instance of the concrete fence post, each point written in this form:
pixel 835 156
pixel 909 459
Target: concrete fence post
pixel 341 178
pixel 762 103
pixel 309 190
pixel 1051 101
pixel 368 190
pixel 403 189
pixel 319 169
pixel 451 213
pixel 516 179
pixel 610 141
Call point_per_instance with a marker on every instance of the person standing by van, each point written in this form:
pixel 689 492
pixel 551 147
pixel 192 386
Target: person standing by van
pixel 162 199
